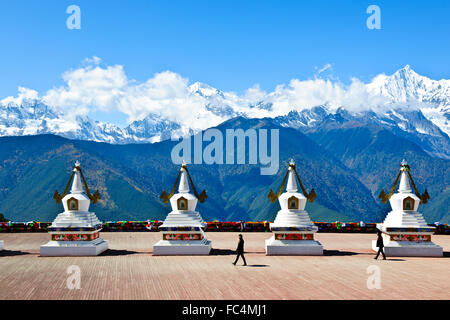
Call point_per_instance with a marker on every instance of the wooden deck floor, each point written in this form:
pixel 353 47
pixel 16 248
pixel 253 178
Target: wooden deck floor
pixel 130 271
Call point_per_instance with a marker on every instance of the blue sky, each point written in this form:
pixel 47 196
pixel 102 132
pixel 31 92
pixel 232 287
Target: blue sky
pixel 230 45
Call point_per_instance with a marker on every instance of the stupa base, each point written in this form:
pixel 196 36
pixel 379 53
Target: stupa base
pixel 74 248
pixel 293 247
pixel 410 249
pixel 182 247
pixel 1 245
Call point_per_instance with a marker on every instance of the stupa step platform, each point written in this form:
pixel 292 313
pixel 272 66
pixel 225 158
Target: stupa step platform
pixel 1 245
pixel 182 247
pixel 81 217
pixel 75 248
pixel 293 247
pixel 410 249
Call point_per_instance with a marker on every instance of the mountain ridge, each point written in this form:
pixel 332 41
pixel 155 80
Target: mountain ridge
pixel 422 103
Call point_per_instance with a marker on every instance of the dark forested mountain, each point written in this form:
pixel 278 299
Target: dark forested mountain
pixel 374 154
pixel 346 165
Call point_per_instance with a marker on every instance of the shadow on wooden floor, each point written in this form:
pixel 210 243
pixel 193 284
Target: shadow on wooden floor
pixel 113 252
pixel 11 253
pixel 258 265
pixel 339 253
pixel 222 252
pixel 389 259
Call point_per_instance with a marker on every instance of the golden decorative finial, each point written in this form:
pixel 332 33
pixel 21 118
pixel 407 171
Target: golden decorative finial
pixel 404 167
pixel 166 197
pixel 93 197
pixel 311 196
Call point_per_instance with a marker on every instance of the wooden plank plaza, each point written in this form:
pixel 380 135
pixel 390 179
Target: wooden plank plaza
pixel 128 270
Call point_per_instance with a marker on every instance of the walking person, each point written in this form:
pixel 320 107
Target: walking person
pixel 240 251
pixel 380 246
pixel 242 226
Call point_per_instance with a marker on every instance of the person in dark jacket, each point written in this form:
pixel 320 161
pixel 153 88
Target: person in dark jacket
pixel 380 246
pixel 240 251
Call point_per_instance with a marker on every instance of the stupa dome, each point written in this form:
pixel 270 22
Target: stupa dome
pixel 291 199
pixel 77 199
pixel 404 199
pixel 184 200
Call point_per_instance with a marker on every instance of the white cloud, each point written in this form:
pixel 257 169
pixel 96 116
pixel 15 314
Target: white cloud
pixel 24 94
pixel 92 61
pixel 108 89
pixel 167 94
pixel 88 88
pixel 324 68
pixel 305 94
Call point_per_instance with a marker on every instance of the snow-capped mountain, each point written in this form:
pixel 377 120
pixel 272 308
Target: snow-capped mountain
pixel 413 105
pixel 33 117
pixel 30 118
pixel 222 104
pixel 405 86
pixel 153 128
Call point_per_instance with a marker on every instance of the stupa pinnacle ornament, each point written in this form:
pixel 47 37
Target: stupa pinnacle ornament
pixel 166 197
pixel 183 228
pixel 75 232
pixel 404 185
pixel 405 231
pixel 76 186
pixel 293 231
pixel 310 196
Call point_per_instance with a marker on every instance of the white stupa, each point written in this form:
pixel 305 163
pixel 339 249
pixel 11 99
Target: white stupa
pixel 405 231
pixel 293 231
pixel 75 232
pixel 183 227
